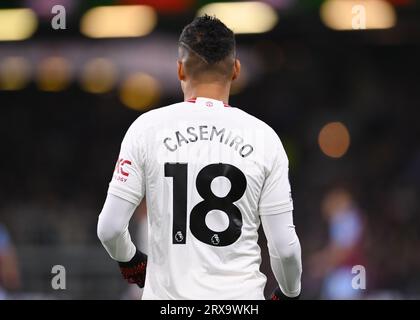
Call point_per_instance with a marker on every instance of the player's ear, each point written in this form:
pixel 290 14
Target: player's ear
pixel 181 71
pixel 236 69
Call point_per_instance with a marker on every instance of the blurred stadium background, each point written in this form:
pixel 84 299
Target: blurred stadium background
pixel 345 103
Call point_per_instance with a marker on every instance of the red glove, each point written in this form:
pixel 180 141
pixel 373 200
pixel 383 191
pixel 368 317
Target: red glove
pixel 134 271
pixel 278 295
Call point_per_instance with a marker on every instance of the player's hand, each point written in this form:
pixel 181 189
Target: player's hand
pixel 134 271
pixel 278 295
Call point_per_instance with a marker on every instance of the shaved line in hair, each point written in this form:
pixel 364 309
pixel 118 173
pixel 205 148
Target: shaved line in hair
pixel 195 52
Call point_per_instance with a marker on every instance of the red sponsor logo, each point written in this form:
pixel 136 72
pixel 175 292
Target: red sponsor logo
pixel 119 167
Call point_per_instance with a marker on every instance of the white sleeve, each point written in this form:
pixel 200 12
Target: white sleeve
pixel 113 228
pixel 128 180
pixel 276 196
pixel 285 252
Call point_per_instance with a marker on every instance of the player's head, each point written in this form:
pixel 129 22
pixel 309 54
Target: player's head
pixel 207 52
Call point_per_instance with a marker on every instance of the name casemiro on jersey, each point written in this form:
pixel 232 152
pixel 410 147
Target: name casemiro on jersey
pixel 208 133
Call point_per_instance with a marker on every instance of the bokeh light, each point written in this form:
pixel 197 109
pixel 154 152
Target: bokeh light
pixel 340 14
pixel 334 139
pixel 243 17
pixel 53 74
pixel 14 73
pixel 98 76
pixel 164 6
pixel 118 21
pixel 17 24
pixel 139 91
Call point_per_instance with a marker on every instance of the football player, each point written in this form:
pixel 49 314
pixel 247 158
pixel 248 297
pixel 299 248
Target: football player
pixel 211 174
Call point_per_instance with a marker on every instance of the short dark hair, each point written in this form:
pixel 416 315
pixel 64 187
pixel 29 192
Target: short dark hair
pixel 208 39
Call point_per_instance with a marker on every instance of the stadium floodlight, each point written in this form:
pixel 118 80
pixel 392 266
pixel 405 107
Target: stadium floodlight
pixel 17 24
pixel 356 15
pixel 243 17
pixel 118 21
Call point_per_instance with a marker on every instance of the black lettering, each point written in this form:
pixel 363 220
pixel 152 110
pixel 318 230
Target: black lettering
pixel 246 154
pixel 189 131
pixel 238 140
pixel 203 132
pixel 167 146
pixel 228 137
pixel 214 131
pixel 180 138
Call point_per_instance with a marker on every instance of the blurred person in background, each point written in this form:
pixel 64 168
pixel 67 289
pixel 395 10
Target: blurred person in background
pixel 9 273
pixel 333 264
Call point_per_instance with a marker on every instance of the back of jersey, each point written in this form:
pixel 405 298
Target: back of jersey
pixel 208 171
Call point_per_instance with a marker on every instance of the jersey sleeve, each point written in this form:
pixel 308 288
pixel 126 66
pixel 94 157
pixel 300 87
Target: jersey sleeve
pixel 276 196
pixel 128 180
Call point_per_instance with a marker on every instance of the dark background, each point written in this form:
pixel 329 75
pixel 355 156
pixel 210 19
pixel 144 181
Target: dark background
pixel 59 148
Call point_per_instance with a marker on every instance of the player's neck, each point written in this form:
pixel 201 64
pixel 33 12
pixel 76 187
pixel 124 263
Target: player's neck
pixel 208 90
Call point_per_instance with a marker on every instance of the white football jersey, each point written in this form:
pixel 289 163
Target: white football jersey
pixel 208 171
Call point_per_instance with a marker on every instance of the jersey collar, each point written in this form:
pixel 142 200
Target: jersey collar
pixel 207 102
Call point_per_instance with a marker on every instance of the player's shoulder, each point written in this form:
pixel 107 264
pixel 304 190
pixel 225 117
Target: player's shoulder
pixel 256 123
pixel 154 117
pixel 267 136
